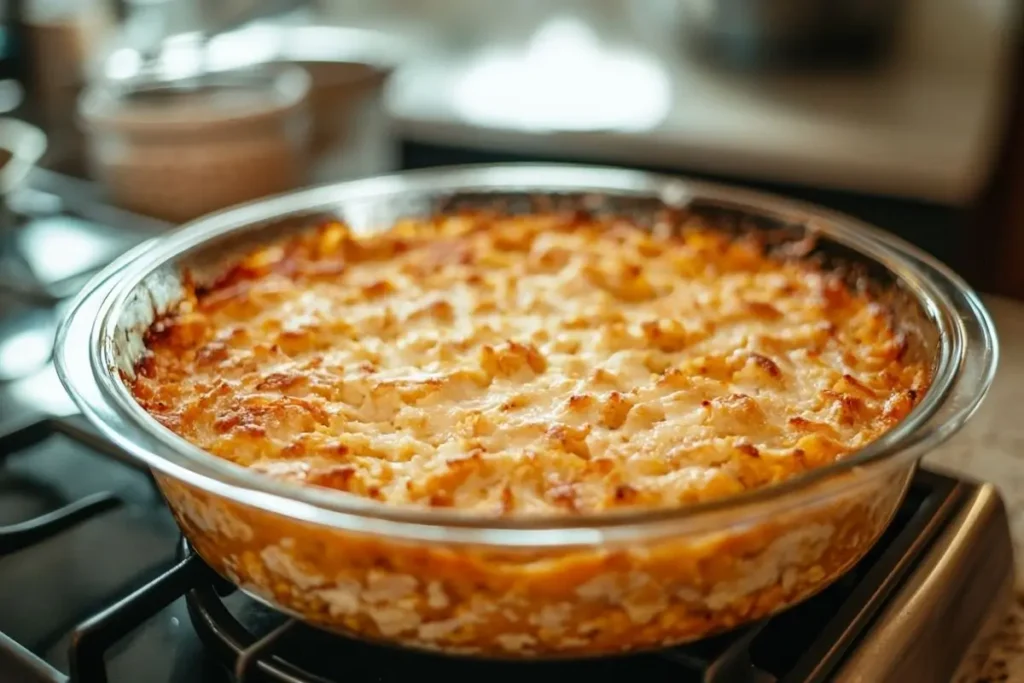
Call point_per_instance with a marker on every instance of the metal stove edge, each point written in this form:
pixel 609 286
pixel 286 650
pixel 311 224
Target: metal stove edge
pixel 950 604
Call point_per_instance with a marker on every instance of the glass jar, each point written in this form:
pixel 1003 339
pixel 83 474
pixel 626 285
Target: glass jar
pixel 178 148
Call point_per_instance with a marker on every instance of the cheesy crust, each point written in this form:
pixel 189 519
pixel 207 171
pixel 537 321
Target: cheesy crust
pixel 549 363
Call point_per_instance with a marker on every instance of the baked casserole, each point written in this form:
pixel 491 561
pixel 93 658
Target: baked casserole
pixel 531 364
pixel 511 366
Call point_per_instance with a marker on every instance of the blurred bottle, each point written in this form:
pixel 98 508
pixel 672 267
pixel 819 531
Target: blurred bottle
pixel 52 41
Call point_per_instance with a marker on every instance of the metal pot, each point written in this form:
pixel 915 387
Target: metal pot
pixel 583 585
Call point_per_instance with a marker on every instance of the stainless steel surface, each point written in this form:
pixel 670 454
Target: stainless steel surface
pixel 959 590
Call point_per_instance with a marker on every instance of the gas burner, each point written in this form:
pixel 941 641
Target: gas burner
pixel 920 602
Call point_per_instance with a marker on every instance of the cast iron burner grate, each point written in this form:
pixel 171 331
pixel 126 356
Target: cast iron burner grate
pixel 254 643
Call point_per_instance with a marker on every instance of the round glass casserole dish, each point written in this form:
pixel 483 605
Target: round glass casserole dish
pixel 553 586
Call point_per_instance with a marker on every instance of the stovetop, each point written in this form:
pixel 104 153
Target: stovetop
pixel 96 584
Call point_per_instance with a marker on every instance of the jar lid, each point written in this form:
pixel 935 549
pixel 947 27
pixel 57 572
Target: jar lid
pixel 200 102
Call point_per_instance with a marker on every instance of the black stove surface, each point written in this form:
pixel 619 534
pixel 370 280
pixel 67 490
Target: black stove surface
pixel 95 584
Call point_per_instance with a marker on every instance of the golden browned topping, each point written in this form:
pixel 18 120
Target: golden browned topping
pixel 530 364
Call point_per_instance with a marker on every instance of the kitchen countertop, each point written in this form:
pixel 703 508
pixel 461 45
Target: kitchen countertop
pixel 991 448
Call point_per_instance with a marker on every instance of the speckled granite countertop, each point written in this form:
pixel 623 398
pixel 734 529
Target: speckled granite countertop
pixel 991 448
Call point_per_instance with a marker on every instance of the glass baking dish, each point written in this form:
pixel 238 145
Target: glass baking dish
pixel 566 586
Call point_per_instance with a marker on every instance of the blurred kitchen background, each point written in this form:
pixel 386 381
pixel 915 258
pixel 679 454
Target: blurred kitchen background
pixel 906 113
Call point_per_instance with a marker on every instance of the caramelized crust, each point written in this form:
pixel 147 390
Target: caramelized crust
pixel 531 364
